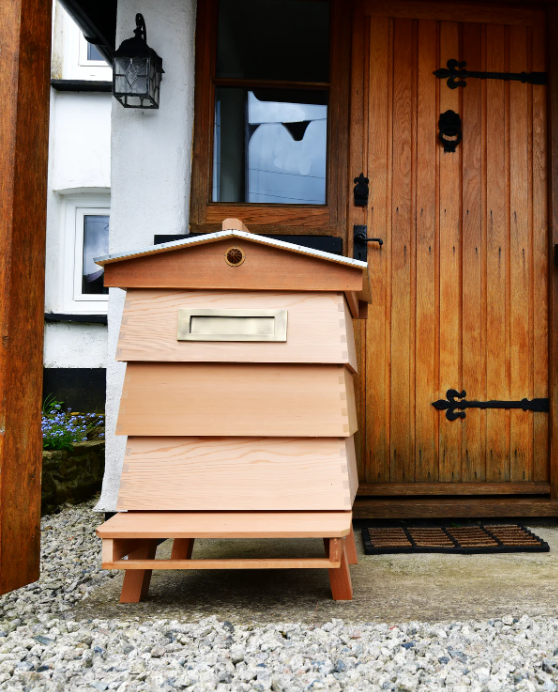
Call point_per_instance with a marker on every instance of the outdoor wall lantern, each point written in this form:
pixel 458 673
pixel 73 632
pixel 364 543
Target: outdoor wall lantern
pixel 137 71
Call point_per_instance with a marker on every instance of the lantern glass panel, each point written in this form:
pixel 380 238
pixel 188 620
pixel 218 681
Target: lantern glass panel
pixel 136 82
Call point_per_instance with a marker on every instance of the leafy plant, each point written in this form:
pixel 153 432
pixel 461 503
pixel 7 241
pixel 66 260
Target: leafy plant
pixel 50 403
pixel 62 429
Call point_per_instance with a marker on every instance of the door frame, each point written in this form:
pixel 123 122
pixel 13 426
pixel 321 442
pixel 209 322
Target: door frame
pixel 466 501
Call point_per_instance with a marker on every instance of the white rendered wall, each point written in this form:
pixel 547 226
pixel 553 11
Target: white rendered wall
pixel 80 140
pixel 79 161
pixel 75 345
pixel 151 161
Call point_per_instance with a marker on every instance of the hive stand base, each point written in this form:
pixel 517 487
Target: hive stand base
pixel 136 581
pixel 350 548
pixel 126 545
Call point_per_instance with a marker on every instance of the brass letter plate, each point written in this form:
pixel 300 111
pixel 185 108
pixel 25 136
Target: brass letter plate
pixel 231 325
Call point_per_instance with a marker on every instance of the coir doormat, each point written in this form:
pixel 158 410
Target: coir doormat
pixel 467 540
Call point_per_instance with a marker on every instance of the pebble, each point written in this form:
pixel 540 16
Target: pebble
pixel 42 649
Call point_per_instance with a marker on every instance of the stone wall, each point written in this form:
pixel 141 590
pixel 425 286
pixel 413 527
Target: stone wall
pixel 72 476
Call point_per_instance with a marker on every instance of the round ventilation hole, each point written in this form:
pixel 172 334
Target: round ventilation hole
pixel 234 257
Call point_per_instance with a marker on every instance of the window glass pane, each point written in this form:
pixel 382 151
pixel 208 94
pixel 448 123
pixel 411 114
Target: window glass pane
pixel 95 244
pixel 270 146
pixel 276 39
pixel 93 53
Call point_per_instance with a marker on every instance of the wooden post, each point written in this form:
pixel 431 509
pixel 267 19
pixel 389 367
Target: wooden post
pixel 350 548
pixel 25 35
pixel 136 581
pixel 182 548
pixel 340 578
pixel 552 28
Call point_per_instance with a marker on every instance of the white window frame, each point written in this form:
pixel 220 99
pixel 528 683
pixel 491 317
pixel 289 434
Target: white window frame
pixel 105 70
pixel 75 208
pixel 75 62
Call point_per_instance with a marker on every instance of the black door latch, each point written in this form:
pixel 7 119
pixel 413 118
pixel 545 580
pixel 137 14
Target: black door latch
pixel 360 242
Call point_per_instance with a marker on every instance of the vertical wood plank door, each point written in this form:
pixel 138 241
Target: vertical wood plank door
pixel 460 285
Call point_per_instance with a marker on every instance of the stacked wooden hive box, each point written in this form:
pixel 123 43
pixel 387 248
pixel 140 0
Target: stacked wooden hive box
pixel 238 402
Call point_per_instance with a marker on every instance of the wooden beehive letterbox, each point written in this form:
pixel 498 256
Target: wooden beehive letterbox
pixel 239 390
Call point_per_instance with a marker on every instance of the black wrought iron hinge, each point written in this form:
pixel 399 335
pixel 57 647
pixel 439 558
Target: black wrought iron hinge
pixel 456 74
pixel 450 406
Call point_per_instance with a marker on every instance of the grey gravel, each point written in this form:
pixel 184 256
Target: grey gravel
pixel 42 648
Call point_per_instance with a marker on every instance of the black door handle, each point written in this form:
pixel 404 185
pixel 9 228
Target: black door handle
pixel 361 238
pixel 360 242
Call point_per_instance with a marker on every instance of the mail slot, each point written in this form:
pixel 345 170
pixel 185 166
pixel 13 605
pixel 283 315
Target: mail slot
pixel 231 325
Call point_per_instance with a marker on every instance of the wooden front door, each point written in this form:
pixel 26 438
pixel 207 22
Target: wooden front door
pixel 460 285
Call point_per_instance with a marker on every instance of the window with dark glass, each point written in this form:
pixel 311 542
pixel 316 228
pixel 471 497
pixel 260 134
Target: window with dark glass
pixel 271 102
pixel 93 53
pixel 95 244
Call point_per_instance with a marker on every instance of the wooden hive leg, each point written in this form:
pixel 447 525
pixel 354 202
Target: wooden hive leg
pixel 350 547
pixel 182 548
pixel 340 578
pixel 136 581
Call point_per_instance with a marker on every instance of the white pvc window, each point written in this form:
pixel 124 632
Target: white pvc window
pixel 75 55
pixel 89 57
pixel 86 236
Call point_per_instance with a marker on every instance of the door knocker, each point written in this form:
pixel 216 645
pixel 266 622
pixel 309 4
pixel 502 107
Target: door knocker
pixel 450 130
pixel 361 191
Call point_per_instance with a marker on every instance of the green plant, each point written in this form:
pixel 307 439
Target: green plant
pixel 50 404
pixel 61 430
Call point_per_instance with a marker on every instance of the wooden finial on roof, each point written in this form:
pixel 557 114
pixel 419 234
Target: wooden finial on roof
pixel 234 225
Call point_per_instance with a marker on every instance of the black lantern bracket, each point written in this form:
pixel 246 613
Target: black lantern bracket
pixel 450 130
pixel 456 74
pixel 137 71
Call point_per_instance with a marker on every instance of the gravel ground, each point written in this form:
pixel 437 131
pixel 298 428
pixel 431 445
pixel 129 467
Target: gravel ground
pixel 42 648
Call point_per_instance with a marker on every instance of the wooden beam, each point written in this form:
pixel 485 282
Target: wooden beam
pixel 446 507
pixel 234 224
pixel 226 525
pixel 552 29
pixel 340 580
pixel 482 12
pixel 526 488
pixel 229 563
pixel 136 582
pixel 25 34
